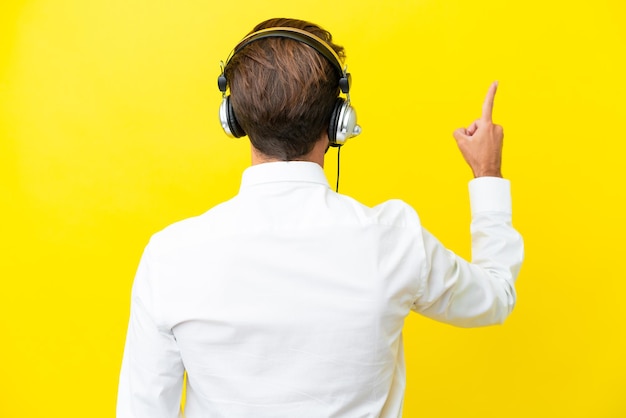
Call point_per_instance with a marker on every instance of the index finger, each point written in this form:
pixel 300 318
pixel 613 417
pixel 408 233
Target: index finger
pixel 488 104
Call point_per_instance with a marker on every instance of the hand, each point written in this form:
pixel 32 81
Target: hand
pixel 481 142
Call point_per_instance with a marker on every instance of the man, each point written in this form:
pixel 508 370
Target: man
pixel 289 299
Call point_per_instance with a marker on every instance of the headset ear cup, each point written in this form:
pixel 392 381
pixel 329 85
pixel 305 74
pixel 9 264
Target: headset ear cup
pixel 236 130
pixel 334 122
pixel 223 115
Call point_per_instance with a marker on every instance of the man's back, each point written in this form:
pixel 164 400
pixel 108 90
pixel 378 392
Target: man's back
pixel 289 300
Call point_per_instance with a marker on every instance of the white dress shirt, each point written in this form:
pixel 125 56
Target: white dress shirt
pixel 289 299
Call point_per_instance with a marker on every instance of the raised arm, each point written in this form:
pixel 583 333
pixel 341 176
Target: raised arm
pixel 480 292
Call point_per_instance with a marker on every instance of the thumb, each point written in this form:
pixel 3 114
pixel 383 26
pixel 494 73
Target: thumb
pixel 471 130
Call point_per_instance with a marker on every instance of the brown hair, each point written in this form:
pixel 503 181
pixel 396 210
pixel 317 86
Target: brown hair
pixel 283 91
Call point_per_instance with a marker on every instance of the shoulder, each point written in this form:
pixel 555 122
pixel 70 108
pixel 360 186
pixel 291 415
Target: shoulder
pixel 392 213
pixel 397 213
pixel 191 231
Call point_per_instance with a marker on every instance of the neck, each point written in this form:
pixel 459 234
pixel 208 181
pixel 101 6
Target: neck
pixel 315 156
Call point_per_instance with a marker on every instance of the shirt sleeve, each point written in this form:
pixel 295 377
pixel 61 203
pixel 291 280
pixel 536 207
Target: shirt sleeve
pixel 457 292
pixel 151 377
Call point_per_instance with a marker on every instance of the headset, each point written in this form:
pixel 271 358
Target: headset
pixel 343 117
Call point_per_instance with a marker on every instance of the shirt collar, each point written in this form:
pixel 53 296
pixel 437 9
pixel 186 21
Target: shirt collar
pixel 283 171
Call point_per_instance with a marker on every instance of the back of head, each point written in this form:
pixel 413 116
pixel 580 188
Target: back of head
pixel 283 91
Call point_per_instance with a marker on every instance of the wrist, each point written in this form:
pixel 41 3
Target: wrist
pixel 488 173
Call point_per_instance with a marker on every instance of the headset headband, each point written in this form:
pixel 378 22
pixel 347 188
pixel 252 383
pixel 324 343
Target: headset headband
pixel 299 35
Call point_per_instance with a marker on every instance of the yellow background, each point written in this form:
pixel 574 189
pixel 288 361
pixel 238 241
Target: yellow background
pixel 109 132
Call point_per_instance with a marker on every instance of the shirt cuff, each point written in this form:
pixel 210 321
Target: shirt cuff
pixel 490 194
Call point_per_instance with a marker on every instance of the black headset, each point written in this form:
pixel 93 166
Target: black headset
pixel 343 117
